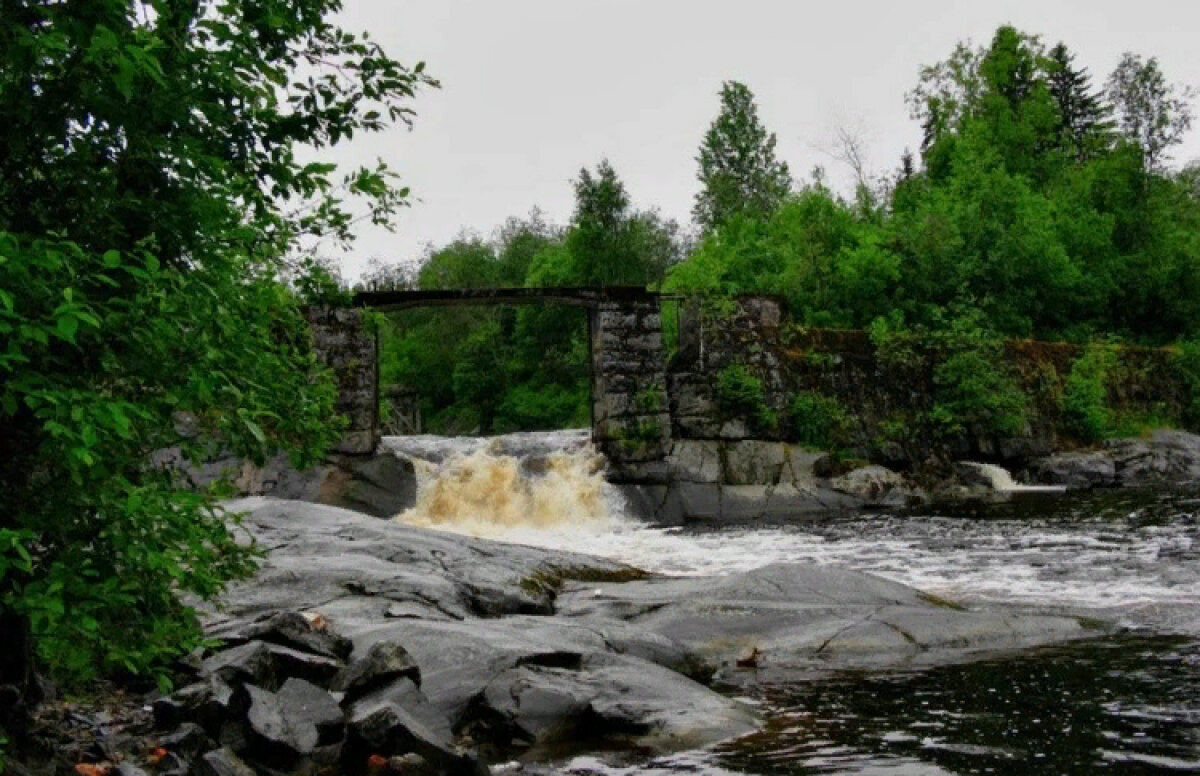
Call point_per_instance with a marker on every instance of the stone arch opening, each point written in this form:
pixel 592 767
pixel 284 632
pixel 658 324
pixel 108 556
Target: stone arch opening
pixel 630 416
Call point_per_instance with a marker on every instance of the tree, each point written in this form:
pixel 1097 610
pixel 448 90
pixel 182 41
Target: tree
pixel 1084 118
pixel 1150 112
pixel 610 243
pixel 150 192
pixel 739 173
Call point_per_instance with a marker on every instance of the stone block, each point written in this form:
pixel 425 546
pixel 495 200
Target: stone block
pixel 358 443
pixel 696 460
pixel 754 462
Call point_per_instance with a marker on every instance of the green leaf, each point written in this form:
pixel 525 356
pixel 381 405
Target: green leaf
pixel 112 259
pixel 67 326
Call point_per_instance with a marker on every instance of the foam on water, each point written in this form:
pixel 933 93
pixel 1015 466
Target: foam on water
pixel 547 490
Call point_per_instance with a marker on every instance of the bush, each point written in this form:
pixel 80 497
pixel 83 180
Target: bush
pixel 1187 365
pixel 1085 398
pixel 740 393
pixel 818 420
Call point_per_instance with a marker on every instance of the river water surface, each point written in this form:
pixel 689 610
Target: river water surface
pixel 1127 703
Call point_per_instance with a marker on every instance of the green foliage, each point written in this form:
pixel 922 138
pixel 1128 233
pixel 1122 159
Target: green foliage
pixel 1187 365
pixel 818 420
pixel 739 174
pixel 151 208
pixel 740 394
pixel 974 392
pixel 1085 398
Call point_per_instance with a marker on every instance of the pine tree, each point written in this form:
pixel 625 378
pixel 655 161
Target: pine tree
pixel 739 173
pixel 1085 124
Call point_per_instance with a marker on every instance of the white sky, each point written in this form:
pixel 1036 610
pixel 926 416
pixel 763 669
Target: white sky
pixel 532 90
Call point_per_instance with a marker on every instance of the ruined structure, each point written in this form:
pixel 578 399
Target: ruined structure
pixel 630 418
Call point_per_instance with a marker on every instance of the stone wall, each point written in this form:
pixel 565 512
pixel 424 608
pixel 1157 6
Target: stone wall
pixel 630 417
pixel 343 342
pixel 843 365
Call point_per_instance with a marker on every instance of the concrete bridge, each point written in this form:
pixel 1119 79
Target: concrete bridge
pixel 630 417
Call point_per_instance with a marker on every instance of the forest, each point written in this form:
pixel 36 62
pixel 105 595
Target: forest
pixel 1038 205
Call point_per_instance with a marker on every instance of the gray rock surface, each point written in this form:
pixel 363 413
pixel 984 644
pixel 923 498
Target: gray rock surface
pixel 361 637
pixel 874 485
pixel 1163 457
pixel 800 616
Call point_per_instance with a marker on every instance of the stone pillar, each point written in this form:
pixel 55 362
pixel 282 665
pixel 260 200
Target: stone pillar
pixel 344 344
pixel 630 418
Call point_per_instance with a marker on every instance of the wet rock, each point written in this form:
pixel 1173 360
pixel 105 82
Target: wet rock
pixel 188 740
pixel 398 720
pixel 795 614
pixel 128 769
pixel 1167 456
pixel 411 764
pixel 383 663
pixel 250 663
pixel 292 629
pixel 276 737
pixel 1075 470
pixel 306 705
pixel 223 762
pixel 874 485
pixel 318 669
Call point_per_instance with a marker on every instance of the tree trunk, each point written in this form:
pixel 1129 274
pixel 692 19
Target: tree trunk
pixel 18 686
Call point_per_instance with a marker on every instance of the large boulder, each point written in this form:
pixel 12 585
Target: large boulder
pixel 1163 457
pixel 798 616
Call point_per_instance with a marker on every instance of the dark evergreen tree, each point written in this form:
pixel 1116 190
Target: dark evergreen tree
pixel 1085 118
pixel 739 173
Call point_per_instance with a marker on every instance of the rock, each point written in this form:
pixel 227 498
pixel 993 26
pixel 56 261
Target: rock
pixel 188 740
pixel 411 764
pixel 1075 470
pixel 874 485
pixel 384 662
pixel 796 614
pixel 695 460
pixel 292 629
pixel 305 704
pixel 397 720
pixel 602 655
pixel 223 762
pixel 610 697
pixel 1167 456
pixel 276 737
pixel 250 663
pixel 754 462
pixel 128 769
pixel 318 669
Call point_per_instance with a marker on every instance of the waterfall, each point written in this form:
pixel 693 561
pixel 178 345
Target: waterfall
pixel 1001 481
pixel 506 485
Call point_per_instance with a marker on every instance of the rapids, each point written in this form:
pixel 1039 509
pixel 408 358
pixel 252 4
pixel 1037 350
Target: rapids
pixel 1128 703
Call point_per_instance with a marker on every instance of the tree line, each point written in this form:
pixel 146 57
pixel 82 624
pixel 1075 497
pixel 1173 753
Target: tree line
pixel 1038 205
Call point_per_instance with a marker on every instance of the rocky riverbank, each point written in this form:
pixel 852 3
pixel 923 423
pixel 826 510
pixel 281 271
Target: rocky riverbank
pixel 364 645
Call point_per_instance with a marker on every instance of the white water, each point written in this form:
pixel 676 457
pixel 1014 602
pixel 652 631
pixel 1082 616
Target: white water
pixel 1002 481
pixel 546 490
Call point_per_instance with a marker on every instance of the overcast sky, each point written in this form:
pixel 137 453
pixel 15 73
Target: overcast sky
pixel 532 90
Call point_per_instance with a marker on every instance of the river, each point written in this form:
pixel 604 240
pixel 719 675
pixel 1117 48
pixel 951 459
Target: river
pixel 1127 703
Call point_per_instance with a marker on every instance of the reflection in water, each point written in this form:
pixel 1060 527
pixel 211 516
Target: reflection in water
pixel 1125 704
pixel 1122 705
